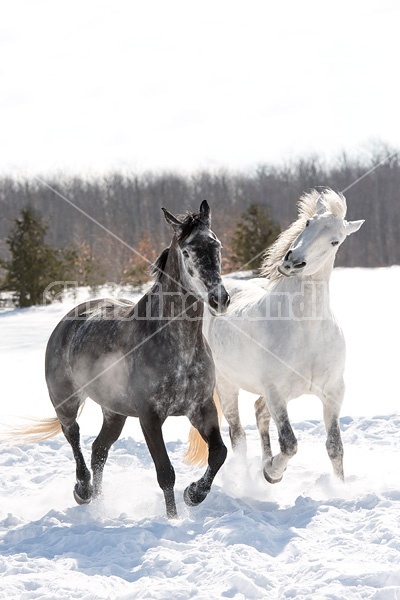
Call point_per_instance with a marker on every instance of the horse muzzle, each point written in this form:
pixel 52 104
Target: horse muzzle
pixel 218 301
pixel 289 267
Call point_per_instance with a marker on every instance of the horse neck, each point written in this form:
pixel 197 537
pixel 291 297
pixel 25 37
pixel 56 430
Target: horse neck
pixel 307 296
pixel 171 297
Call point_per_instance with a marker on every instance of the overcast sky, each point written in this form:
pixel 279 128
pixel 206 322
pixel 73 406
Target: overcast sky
pixel 92 85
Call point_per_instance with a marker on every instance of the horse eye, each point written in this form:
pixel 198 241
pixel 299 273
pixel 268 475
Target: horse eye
pixel 185 253
pixel 307 223
pixel 335 243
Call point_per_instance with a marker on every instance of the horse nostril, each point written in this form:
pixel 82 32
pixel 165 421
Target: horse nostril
pixel 300 265
pixel 288 255
pixel 219 300
pixel 213 301
pixel 224 297
pixel 224 302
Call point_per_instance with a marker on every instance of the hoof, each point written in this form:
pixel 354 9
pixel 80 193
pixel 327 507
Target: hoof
pixel 193 497
pixel 172 513
pixel 82 497
pixel 267 476
pixel 269 479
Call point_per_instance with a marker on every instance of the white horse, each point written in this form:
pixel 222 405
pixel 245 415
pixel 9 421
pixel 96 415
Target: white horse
pixel 279 338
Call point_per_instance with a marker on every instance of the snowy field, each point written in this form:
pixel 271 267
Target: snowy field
pixel 308 537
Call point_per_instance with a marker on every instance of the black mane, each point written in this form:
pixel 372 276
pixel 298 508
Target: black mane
pixel 158 267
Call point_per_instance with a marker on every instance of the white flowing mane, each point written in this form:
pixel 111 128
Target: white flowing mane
pixel 334 202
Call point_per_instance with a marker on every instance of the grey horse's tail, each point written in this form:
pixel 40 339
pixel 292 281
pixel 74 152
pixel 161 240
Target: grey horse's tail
pixel 197 452
pixel 37 430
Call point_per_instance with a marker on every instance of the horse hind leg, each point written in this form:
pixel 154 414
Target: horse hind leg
pixel 334 447
pixel 83 489
pixel 111 430
pixel 229 399
pixel 67 411
pixel 275 466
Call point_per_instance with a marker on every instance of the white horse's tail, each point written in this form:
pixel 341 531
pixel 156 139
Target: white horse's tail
pixel 38 430
pixel 197 453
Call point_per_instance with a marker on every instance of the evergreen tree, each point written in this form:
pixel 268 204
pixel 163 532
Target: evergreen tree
pixel 33 264
pixel 137 271
pixel 252 236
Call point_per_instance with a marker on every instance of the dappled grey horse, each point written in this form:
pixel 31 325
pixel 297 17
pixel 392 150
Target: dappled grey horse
pixel 148 360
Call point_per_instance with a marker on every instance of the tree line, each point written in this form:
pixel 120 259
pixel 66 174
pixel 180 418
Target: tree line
pixel 128 207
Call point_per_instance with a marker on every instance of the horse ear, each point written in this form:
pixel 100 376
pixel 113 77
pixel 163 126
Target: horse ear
pixel 173 221
pixel 205 213
pixel 352 226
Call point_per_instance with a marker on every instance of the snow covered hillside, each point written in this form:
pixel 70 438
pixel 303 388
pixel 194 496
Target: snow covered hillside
pixel 309 536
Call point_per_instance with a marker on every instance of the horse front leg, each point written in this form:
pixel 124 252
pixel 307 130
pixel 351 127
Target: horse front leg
pixel 332 403
pixel 263 418
pixel 206 423
pixel 275 466
pixel 151 426
pixel 109 433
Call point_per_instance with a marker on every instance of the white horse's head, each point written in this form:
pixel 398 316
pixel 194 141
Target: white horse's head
pixel 320 238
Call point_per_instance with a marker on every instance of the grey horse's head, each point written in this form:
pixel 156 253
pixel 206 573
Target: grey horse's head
pixel 200 253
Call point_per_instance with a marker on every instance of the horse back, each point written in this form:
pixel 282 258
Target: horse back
pixel 82 321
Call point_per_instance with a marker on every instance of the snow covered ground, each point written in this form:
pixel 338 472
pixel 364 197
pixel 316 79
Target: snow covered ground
pixel 309 536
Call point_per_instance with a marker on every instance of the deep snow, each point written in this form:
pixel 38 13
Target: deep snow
pixel 309 536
